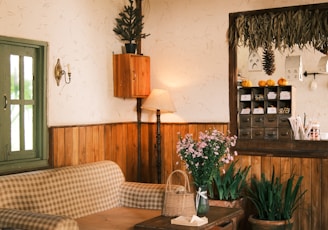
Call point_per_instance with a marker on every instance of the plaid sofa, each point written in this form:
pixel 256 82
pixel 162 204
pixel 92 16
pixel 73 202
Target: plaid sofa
pixel 58 198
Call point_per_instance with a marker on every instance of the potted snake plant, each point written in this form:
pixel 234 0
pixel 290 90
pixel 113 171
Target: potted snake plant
pixel 228 187
pixel 129 26
pixel 274 201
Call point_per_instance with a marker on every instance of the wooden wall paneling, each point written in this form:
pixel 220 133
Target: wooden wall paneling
pixel 256 166
pixel 285 168
pixel 171 152
pixel 296 168
pixel 193 129
pixel 148 152
pixel 75 147
pixel 53 139
pixel 149 167
pixel 266 167
pixel 167 152
pixel 305 207
pixel 96 143
pixel 59 148
pixel 82 145
pixel 182 130
pixel 68 136
pixel 120 143
pixel 53 148
pixel 316 194
pixel 108 142
pixel 125 147
pixel 90 151
pixel 276 165
pixel 131 152
pixel 101 139
pixel 112 140
pixel 324 191
pixel 117 142
pixel 243 161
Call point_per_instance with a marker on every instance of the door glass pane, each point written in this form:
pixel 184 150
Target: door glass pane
pixel 28 116
pixel 15 131
pixel 14 76
pixel 28 77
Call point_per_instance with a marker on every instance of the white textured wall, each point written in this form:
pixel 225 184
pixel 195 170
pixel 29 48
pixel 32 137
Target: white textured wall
pixel 188 49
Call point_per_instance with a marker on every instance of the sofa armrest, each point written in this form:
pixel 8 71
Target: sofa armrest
pixel 144 195
pixel 21 219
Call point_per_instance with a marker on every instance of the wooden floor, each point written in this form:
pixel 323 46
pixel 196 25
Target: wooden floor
pixel 118 142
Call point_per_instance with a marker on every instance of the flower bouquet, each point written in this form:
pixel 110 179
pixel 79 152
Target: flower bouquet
pixel 203 156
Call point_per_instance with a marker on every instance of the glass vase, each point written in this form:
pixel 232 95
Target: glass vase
pixel 202 204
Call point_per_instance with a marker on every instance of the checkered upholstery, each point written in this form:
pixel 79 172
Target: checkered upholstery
pixel 51 199
pixel 20 219
pixel 74 192
pixel 139 195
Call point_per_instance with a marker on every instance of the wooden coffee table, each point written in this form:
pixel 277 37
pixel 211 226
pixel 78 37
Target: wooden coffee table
pixel 217 216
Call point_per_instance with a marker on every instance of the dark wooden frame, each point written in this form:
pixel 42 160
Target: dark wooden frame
pixel 293 148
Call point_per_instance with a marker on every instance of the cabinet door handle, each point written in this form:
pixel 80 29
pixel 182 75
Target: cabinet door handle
pixel 6 101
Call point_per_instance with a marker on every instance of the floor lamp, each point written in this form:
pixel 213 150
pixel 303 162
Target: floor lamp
pixel 160 101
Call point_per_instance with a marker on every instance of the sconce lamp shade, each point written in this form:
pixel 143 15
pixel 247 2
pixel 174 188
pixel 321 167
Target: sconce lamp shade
pixel 323 64
pixel 159 99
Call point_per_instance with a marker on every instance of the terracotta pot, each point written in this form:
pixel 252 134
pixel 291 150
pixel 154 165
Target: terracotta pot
pixel 257 224
pixel 228 204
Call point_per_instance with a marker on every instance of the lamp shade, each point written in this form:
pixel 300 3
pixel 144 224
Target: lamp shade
pixel 159 99
pixel 323 64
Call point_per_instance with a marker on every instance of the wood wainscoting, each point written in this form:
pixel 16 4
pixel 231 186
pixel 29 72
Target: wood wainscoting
pixel 118 142
pixel 75 145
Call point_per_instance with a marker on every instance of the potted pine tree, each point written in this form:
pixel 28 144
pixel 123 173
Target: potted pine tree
pixel 274 201
pixel 129 26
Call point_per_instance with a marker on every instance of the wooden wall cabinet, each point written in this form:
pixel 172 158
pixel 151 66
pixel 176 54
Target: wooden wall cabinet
pixel 131 75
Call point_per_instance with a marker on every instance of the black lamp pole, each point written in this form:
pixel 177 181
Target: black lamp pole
pixel 139 139
pixel 158 146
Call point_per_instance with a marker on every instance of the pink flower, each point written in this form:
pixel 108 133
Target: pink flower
pixel 210 151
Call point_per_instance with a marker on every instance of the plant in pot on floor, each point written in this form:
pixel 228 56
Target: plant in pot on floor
pixel 275 201
pixel 228 189
pixel 129 26
pixel 228 186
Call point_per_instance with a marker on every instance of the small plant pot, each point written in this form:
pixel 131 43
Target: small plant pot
pixel 257 224
pixel 240 203
pixel 130 48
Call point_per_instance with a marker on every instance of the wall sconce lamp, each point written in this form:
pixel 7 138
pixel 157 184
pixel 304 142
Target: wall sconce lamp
pixel 59 72
pixel 159 100
pixel 323 70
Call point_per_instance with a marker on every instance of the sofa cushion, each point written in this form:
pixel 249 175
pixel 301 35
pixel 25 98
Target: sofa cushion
pixel 142 195
pixel 69 191
pixel 19 219
pixel 121 218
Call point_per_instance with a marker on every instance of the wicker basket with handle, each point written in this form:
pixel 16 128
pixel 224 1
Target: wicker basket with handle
pixel 178 202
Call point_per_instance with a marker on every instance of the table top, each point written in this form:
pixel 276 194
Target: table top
pixel 216 216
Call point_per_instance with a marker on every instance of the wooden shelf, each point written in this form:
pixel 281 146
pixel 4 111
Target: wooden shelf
pixel 283 148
